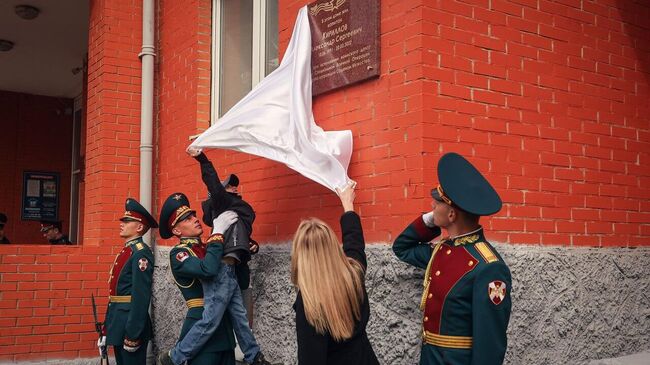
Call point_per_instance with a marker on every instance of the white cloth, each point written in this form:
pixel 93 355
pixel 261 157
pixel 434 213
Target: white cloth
pixel 275 120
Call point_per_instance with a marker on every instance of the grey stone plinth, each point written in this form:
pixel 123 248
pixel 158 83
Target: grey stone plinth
pixel 570 305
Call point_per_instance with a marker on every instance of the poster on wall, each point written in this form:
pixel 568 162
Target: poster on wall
pixel 40 196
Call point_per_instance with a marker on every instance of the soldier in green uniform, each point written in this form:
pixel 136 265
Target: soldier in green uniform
pixel 51 230
pixel 128 326
pixel 466 298
pixel 191 261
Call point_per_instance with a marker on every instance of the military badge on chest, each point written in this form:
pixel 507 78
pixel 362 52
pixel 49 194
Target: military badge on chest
pixel 143 263
pixel 497 291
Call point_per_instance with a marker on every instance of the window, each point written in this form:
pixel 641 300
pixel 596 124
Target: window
pixel 76 173
pixel 246 49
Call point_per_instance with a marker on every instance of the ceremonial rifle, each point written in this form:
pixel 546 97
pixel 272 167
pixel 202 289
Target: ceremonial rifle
pixel 103 351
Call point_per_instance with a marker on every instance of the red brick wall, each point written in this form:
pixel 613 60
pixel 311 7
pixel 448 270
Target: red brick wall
pixel 45 290
pixel 113 116
pixel 183 107
pixel 36 136
pixel 45 299
pixel 549 100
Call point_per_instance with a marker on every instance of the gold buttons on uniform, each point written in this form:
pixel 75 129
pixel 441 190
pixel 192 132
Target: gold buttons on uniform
pixel 438 273
pixel 430 295
pixel 470 263
pixel 426 319
pixel 448 252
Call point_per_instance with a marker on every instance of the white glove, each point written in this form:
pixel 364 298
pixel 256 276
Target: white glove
pixel 101 342
pixel 131 349
pixel 223 221
pixel 131 346
pixel 428 219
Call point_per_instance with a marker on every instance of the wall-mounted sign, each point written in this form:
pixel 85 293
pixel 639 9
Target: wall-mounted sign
pixel 40 196
pixel 344 42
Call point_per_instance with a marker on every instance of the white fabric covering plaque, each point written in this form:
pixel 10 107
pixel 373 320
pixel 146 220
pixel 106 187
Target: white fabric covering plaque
pixel 275 120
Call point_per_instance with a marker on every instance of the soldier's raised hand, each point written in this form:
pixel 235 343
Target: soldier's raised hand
pixel 428 219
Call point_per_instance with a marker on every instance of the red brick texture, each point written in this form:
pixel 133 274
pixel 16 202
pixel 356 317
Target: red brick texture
pixel 548 98
pixel 45 296
pixel 183 107
pixel 45 299
pixel 113 115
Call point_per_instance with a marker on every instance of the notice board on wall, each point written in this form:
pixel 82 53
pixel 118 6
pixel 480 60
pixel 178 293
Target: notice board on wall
pixel 40 196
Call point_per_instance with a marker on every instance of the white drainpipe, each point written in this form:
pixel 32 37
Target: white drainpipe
pixel 146 110
pixel 146 120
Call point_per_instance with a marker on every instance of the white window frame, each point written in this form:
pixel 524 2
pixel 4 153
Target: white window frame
pixel 258 54
pixel 75 173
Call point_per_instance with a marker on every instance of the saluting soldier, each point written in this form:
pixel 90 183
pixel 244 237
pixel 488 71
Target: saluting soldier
pixel 192 261
pixel 128 326
pixel 466 298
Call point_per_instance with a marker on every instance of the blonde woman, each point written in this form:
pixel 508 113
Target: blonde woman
pixel 332 309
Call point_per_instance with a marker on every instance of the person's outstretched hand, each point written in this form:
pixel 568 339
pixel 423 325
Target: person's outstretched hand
pixel 223 221
pixel 193 151
pixel 347 196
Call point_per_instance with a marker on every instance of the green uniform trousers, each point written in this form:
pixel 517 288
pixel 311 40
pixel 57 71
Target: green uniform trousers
pixel 123 357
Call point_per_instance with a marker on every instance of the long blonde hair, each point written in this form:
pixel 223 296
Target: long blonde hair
pixel 330 283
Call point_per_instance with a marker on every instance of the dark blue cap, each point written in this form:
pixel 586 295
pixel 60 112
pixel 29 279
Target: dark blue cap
pixel 462 185
pixel 135 212
pixel 47 224
pixel 174 209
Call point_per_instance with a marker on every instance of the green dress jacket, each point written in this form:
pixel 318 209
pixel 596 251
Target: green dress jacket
pixel 192 260
pixel 466 298
pixel 127 316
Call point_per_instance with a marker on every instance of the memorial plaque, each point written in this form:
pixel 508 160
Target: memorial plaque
pixel 344 42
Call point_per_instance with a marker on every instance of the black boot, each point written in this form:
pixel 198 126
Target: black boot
pixel 260 360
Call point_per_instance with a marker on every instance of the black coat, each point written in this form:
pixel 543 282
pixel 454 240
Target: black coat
pixel 61 241
pixel 219 200
pixel 318 349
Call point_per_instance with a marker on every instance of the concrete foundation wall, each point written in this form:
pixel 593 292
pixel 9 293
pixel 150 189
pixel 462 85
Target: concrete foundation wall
pixel 569 305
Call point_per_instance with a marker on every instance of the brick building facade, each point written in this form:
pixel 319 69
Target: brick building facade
pixel 548 98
